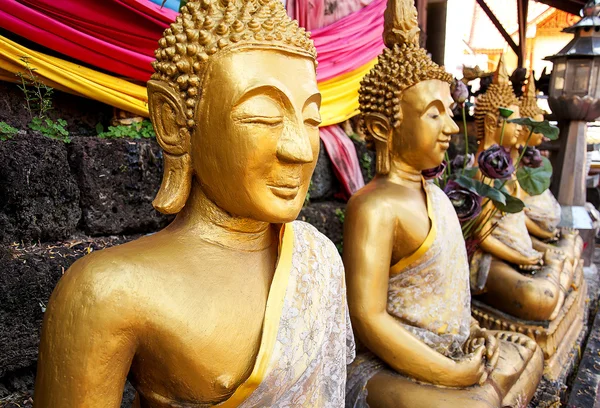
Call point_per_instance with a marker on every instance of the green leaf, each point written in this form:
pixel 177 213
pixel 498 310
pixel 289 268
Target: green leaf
pixel 512 204
pixel 544 127
pixel 99 128
pixel 482 189
pixel 470 172
pixel 535 180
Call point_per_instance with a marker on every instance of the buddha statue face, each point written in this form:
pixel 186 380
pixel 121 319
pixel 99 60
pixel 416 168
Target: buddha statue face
pixel 536 138
pixel 423 135
pixel 493 128
pixel 235 106
pixel 405 102
pixel 255 145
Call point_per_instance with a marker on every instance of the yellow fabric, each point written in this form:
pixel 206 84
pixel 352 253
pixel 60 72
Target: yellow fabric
pixel 75 78
pixel 340 94
pixel 272 319
pixel 404 262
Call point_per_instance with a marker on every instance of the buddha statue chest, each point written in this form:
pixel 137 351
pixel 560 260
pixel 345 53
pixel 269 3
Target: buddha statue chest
pixel 195 355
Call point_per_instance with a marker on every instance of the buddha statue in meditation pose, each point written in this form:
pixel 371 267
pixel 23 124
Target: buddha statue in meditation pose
pixel 543 212
pixel 519 286
pixel 405 259
pixel 234 304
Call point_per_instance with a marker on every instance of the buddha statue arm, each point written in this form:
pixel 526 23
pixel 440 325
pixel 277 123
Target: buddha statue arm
pixel 537 231
pixel 86 349
pixel 368 237
pixel 504 252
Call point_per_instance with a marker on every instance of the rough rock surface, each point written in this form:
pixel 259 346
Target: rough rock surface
pixel 118 180
pixel 39 198
pixel 28 277
pixel 327 217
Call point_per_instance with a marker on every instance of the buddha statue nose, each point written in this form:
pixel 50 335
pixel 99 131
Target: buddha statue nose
pixel 450 127
pixel 294 145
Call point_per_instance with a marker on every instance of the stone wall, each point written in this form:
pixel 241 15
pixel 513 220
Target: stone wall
pixel 60 201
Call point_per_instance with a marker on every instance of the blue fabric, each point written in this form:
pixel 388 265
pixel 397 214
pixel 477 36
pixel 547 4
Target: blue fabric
pixel 172 4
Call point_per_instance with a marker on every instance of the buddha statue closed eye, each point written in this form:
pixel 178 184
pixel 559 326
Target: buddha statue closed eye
pixel 234 304
pixel 405 258
pixel 520 285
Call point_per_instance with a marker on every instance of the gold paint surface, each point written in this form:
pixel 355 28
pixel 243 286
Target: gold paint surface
pixel 396 230
pixel 191 314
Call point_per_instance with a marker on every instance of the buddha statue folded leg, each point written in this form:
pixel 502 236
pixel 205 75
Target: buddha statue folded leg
pixel 518 371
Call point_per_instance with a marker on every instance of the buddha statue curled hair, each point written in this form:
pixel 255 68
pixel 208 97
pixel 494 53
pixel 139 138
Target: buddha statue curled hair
pixel 205 27
pixel 401 65
pixel 499 94
pixel 528 102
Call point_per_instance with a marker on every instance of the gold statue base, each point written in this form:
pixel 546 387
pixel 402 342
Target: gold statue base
pixel 556 338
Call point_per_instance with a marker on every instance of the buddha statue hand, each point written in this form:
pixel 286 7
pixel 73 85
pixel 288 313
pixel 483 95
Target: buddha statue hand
pixel 468 370
pixel 554 257
pixel 482 337
pixel 532 263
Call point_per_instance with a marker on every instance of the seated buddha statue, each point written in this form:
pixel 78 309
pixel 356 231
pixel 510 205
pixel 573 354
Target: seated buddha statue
pixel 543 212
pixel 405 259
pixel 518 286
pixel 234 304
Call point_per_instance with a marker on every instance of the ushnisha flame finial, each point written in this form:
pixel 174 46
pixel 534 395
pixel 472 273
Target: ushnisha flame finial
pixel 501 74
pixel 400 23
pixel 529 107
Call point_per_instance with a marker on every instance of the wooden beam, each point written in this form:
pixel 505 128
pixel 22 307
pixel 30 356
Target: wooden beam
pixel 570 6
pixel 499 26
pixel 522 10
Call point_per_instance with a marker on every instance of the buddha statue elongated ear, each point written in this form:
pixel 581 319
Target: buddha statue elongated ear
pixel 168 117
pixel 490 124
pixel 380 128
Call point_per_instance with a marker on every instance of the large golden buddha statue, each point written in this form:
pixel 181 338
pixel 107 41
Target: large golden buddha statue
pixel 234 303
pixel 406 262
pixel 520 286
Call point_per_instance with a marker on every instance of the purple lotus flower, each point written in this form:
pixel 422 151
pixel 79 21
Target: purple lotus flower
pixel 466 203
pixel 436 172
pixel 460 92
pixel 532 157
pixel 496 162
pixel 459 162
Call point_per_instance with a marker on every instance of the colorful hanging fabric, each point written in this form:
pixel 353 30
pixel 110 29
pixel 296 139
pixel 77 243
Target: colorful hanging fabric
pixel 74 78
pixel 343 156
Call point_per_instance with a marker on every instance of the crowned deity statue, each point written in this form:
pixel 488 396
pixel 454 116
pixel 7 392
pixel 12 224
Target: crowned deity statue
pixel 234 304
pixel 405 258
pixel 519 285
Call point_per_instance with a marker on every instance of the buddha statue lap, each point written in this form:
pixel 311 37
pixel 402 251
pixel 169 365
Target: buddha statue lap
pixel 406 264
pixel 518 286
pixel 234 304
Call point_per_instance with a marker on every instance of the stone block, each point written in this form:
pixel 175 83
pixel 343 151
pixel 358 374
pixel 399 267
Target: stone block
pixel 324 182
pixel 118 180
pixel 39 198
pixel 328 218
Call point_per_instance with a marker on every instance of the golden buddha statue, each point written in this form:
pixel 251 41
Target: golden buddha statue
pixel 543 212
pixel 518 287
pixel 234 304
pixel 405 259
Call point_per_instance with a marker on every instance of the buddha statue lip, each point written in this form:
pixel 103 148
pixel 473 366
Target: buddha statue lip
pixel 288 192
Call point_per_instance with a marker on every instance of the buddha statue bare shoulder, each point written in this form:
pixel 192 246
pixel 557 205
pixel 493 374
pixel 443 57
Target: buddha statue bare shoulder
pixel 405 259
pixel 234 303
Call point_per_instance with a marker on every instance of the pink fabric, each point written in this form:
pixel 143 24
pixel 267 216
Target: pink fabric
pixel 350 42
pixel 309 13
pixel 335 10
pixel 55 35
pixel 120 35
pixel 343 155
